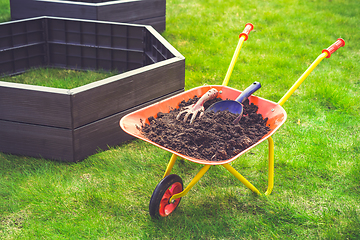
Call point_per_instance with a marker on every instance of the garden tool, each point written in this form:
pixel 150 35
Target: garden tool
pixel 235 106
pixel 198 106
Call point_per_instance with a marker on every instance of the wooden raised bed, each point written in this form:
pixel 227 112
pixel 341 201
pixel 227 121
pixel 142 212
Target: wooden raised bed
pixel 70 125
pixel 148 12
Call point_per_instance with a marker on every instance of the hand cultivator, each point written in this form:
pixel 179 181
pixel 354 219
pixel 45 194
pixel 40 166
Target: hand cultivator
pixel 199 106
pixel 169 191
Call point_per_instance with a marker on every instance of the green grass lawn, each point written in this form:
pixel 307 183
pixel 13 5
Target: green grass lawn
pixel 317 169
pixel 58 78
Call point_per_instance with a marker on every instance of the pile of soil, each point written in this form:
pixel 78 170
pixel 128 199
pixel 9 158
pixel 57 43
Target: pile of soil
pixel 213 137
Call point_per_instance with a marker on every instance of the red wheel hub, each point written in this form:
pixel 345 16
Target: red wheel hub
pixel 165 207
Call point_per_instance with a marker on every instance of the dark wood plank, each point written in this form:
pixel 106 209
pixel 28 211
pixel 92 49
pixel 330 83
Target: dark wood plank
pixel 35 104
pixel 115 94
pixel 21 9
pixel 124 11
pixel 37 141
pixel 159 23
pixel 131 10
pixel 67 10
pixel 105 132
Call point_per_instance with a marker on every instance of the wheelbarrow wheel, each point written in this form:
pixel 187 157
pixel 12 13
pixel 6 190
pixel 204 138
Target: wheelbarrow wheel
pixel 159 202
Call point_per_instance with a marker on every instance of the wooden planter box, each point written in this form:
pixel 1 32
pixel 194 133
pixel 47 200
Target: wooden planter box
pixel 148 12
pixel 70 125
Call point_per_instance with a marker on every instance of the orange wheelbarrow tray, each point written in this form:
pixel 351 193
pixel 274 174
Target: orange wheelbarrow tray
pixel 169 191
pixel 274 112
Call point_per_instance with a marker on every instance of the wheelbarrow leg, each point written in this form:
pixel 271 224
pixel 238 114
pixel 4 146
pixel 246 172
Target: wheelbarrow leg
pixel 191 184
pixel 241 178
pixel 270 174
pixel 170 165
pixel 271 167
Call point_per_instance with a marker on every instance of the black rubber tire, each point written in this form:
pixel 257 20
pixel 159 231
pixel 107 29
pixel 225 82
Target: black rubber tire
pixel 159 192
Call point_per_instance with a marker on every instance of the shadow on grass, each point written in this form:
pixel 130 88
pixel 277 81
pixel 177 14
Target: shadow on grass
pixel 208 217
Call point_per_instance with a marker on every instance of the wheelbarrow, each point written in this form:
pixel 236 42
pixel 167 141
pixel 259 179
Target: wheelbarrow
pixel 169 191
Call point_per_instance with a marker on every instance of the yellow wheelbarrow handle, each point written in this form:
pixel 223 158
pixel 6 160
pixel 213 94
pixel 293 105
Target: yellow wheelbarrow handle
pixel 242 37
pixel 326 53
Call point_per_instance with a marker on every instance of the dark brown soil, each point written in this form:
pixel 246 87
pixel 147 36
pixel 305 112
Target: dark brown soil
pixel 213 137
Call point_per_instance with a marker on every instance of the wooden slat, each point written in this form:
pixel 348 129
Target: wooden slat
pixel 159 23
pixel 131 10
pixel 35 104
pixel 37 141
pixel 21 9
pixel 105 132
pixel 72 10
pixel 146 12
pixel 109 96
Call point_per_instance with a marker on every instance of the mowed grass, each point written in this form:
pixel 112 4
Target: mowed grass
pixel 58 78
pixel 317 169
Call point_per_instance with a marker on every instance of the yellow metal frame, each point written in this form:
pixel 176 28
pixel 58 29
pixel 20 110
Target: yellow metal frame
pixel 231 170
pixel 233 61
pixel 302 78
pixel 270 140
